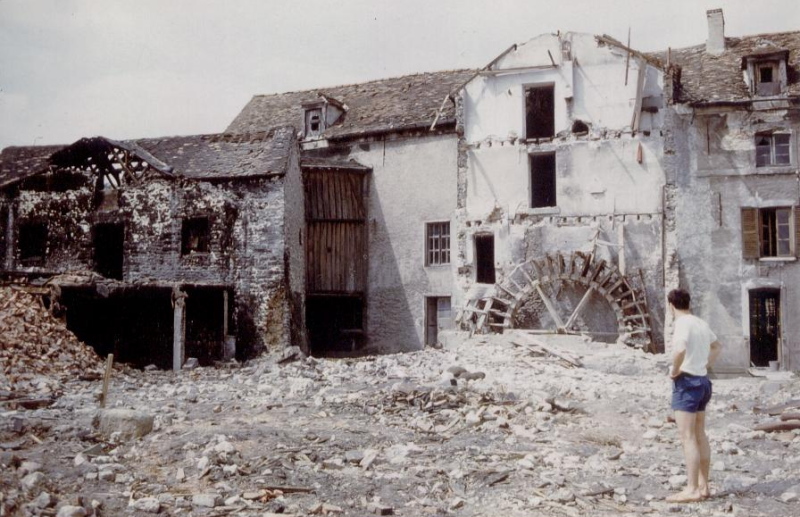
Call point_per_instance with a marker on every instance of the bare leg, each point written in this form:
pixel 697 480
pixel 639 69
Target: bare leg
pixel 687 427
pixel 705 455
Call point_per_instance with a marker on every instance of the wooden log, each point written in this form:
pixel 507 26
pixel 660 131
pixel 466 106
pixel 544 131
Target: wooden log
pixel 790 416
pixel 778 426
pixel 106 379
pixel 777 410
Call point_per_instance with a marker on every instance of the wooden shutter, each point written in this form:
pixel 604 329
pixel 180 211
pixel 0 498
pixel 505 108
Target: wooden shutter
pixel 796 231
pixel 750 245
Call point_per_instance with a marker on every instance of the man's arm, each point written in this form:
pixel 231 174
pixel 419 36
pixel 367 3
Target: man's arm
pixel 677 361
pixel 716 349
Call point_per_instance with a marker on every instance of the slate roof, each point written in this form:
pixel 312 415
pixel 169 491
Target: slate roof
pixel 20 162
pixel 224 156
pixel 377 106
pixel 219 156
pixel 709 78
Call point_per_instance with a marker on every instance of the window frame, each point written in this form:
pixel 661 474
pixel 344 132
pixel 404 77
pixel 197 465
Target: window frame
pixel 437 246
pixel 773 147
pixel 761 232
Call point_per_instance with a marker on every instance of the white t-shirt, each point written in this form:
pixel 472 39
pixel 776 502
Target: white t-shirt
pixel 695 336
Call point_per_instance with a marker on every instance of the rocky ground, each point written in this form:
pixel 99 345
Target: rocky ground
pixel 520 425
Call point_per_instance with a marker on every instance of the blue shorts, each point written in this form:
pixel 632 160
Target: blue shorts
pixel 690 393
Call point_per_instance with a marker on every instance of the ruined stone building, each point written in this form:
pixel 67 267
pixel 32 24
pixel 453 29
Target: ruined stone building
pixel 565 186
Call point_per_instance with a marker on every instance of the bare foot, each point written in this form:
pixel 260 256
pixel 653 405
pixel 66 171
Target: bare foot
pixel 705 493
pixel 687 496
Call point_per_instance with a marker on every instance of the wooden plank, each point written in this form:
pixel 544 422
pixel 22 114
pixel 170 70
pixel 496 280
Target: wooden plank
pixel 550 307
pixel 579 308
pixel 769 427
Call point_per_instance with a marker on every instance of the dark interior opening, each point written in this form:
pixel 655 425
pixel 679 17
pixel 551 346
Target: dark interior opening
pixel 543 180
pixel 205 314
pixel 539 112
pixel 765 73
pixel 195 235
pixel 579 127
pixel 109 241
pixel 32 243
pixel 484 259
pixel 61 181
pixel 765 325
pixel 135 324
pixel 335 324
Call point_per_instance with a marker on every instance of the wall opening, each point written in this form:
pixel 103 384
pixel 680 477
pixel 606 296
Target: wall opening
pixel 205 319
pixel 539 112
pixel 484 259
pixel 438 316
pixel 32 243
pixel 543 180
pixel 765 318
pixel 109 241
pixel 195 235
pixel 335 324
pixel 135 324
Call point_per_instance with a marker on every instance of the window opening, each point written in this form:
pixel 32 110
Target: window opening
pixel 195 235
pixel 484 258
pixel 543 180
pixel 109 241
pixel 767 80
pixel 773 149
pixel 765 318
pixel 437 244
pixel 539 112
pixel 776 231
pixel 314 122
pixel 32 243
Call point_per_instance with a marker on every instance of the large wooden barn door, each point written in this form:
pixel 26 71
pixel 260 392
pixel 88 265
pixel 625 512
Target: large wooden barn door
pixel 336 258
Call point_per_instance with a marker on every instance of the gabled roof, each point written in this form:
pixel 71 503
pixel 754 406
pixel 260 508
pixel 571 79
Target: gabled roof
pixel 718 78
pixel 377 106
pixel 220 156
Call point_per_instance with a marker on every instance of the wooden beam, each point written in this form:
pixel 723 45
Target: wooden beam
pixel 550 307
pixel 579 308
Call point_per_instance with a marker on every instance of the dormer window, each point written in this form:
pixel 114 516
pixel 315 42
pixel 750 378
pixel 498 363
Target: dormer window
pixel 314 122
pixel 766 73
pixel 767 80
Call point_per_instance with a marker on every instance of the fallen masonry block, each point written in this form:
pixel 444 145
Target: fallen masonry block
pixel 380 509
pixel 129 423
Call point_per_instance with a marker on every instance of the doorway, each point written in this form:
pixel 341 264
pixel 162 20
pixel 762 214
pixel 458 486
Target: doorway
pixel 438 316
pixel 765 320
pixel 484 259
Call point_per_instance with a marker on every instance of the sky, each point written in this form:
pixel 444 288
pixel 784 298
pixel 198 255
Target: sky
pixel 146 68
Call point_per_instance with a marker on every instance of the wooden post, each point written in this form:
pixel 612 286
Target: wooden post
pixel 9 258
pixel 178 329
pixel 106 379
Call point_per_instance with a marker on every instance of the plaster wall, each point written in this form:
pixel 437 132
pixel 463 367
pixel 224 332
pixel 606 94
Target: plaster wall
pixel 413 182
pixel 722 178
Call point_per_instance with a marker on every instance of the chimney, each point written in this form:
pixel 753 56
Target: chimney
pixel 715 44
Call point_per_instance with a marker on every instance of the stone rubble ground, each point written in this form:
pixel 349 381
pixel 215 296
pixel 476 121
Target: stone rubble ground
pixel 582 432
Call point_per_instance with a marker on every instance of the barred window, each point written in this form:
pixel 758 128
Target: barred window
pixel 437 244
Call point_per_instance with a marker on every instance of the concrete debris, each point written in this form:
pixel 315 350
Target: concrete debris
pixel 385 435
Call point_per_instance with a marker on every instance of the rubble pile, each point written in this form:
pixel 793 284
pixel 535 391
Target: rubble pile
pixel 508 424
pixel 38 353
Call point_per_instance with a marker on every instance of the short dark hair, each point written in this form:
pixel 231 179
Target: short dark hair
pixel 680 299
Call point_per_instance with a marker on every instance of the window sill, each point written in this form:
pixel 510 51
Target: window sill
pixel 437 266
pixel 777 259
pixel 547 210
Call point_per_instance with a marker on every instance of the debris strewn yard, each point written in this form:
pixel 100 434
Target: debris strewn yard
pixel 513 424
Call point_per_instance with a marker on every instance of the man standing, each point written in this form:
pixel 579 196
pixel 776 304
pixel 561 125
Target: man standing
pixel 695 348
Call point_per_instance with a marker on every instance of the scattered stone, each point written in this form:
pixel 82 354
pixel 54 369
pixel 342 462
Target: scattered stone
pixel 128 423
pixel 370 455
pixel 147 505
pixel 790 496
pixel 33 480
pixel 191 363
pixel 71 511
pixel 354 456
pixel 44 500
pixel 380 509
pixel 206 500
pixel 677 481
